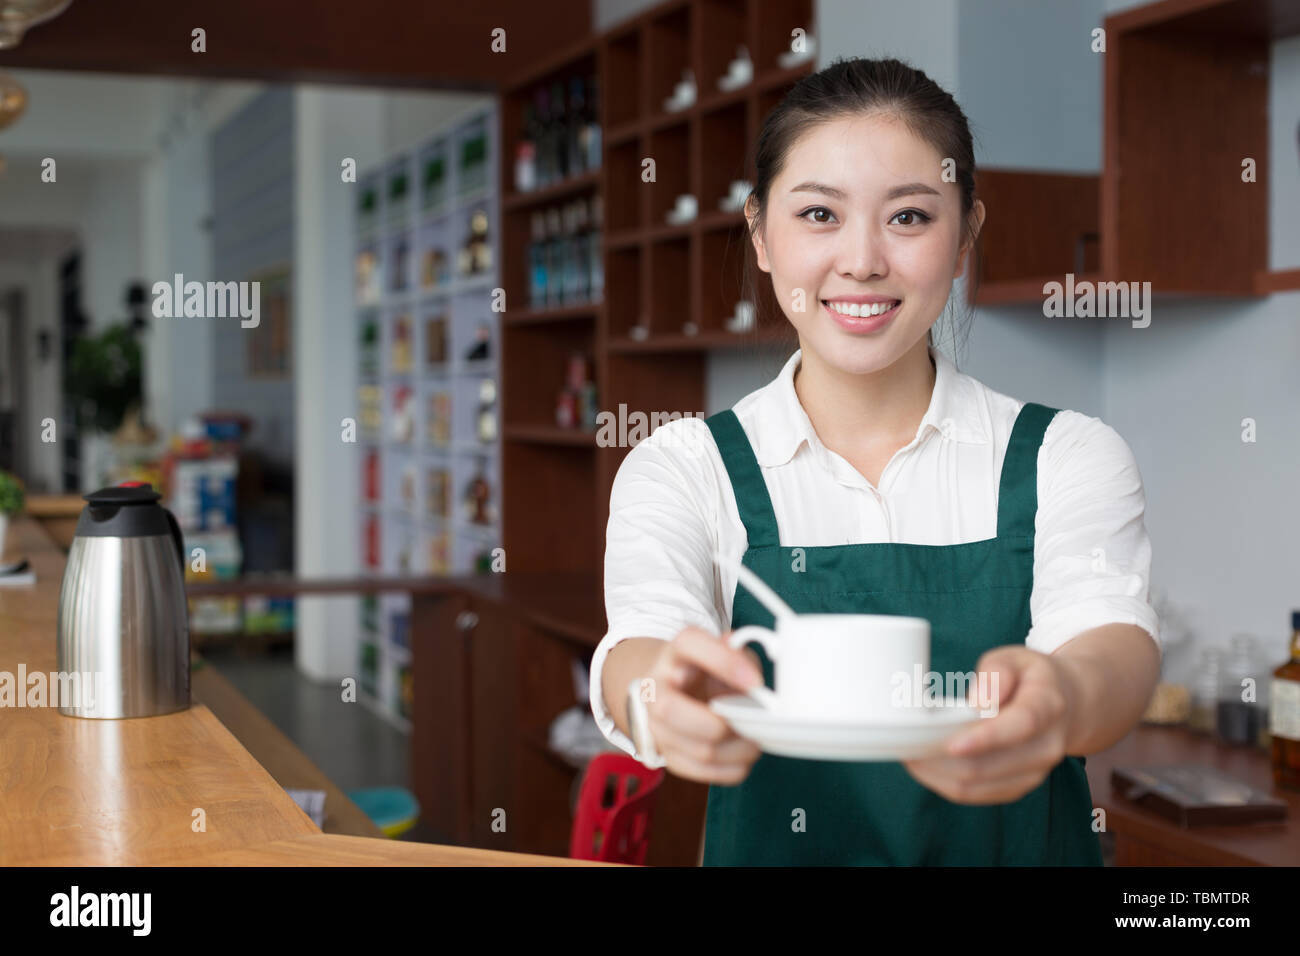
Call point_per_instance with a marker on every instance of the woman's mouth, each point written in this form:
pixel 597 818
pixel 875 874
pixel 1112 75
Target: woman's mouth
pixel 868 317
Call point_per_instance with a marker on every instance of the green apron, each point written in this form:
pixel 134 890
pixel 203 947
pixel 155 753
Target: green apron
pixel 976 597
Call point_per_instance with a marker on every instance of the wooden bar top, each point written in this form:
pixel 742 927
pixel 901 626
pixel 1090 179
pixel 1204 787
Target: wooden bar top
pixel 76 792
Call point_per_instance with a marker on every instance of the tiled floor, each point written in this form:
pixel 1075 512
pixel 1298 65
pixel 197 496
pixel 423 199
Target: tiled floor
pixel 351 744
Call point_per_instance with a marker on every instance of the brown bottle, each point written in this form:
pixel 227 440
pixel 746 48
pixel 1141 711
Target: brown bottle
pixel 1284 714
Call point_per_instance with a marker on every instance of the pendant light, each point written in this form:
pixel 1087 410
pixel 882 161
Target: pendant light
pixel 19 16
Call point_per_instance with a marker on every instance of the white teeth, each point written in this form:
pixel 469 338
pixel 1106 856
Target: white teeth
pixel 861 311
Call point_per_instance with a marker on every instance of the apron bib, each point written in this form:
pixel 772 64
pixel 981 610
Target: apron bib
pixel 976 597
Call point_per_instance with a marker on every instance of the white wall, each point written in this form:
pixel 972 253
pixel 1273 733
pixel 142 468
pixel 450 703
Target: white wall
pixel 177 203
pixel 133 186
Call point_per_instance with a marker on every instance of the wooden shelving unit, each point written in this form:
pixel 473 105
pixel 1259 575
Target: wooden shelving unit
pixel 667 287
pixel 1186 99
pixel 674 283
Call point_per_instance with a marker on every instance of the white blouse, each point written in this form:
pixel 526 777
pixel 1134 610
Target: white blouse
pixel 672 505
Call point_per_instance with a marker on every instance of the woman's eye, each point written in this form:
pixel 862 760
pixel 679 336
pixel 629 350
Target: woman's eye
pixel 816 209
pixel 913 213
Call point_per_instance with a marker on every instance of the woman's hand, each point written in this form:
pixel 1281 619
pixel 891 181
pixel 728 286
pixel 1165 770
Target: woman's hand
pixel 1001 758
pixel 696 743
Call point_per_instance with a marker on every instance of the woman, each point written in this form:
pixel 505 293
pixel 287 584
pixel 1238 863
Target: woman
pixel 872 477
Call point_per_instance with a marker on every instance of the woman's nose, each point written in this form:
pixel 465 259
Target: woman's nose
pixel 862 253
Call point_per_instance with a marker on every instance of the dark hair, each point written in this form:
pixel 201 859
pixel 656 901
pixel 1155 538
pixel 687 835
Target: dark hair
pixel 850 87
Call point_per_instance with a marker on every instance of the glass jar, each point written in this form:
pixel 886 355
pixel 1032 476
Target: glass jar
pixel 1239 715
pixel 1205 691
pixel 1170 702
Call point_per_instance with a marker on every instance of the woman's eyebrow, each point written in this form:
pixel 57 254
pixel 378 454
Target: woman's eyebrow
pixel 907 189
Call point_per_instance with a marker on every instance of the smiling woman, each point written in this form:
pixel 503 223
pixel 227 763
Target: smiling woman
pixel 872 477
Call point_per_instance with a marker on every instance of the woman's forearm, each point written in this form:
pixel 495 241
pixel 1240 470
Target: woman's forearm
pixel 628 659
pixel 1112 672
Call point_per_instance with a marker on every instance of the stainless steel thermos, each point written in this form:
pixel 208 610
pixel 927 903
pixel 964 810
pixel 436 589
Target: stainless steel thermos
pixel 123 619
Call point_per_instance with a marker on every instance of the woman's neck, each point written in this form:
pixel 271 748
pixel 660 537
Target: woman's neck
pixel 853 413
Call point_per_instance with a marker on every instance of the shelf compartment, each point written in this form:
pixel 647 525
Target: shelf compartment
pixel 669 149
pixel 548 517
pixel 623 187
pixel 722 28
pixel 624 275
pixel 535 363
pixel 1175 211
pixel 669 52
pixel 774 23
pixel 1040 226
pixel 722 256
pixel 671 278
pixel 723 148
pixel 621 85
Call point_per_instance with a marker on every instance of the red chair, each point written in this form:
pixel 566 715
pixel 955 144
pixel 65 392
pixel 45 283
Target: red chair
pixel 615 802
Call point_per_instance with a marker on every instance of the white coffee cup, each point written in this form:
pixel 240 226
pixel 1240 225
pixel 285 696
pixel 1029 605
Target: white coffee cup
pixel 840 666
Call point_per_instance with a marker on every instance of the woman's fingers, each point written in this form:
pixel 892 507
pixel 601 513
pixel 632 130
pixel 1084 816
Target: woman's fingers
pixel 731 752
pixel 708 653
pixel 695 742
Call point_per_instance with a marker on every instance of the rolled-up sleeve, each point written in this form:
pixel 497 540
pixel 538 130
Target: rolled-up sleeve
pixel 1092 554
pixel 659 543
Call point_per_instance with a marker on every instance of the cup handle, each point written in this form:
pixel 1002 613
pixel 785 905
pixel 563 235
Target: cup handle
pixel 752 632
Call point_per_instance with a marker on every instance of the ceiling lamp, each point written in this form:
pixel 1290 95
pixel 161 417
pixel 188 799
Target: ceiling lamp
pixel 13 99
pixel 19 16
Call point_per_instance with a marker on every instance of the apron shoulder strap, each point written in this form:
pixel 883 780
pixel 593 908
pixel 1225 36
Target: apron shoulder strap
pixel 752 499
pixel 1018 491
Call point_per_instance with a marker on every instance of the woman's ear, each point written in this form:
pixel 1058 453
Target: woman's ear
pixel 756 234
pixel 975 221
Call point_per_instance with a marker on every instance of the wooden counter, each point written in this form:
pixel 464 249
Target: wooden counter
pixel 1144 838
pixel 124 792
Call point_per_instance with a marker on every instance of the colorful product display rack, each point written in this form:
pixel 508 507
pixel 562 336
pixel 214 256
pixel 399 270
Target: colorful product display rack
pixel 427 259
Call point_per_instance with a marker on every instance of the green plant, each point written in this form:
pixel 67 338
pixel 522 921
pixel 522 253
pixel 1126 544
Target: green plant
pixel 11 494
pixel 103 377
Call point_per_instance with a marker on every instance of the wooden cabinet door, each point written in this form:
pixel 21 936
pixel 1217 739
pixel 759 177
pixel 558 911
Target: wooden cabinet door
pixel 491 646
pixel 441 633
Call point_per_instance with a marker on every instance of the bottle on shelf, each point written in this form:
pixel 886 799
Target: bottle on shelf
pixel 535 255
pixel 575 404
pixel 577 128
pixel 596 261
pixel 526 153
pixel 560 132
pixel 1284 714
pixel 554 258
pixel 593 124
pixel 545 149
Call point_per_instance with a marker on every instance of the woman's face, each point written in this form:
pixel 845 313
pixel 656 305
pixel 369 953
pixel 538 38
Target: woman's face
pixel 861 209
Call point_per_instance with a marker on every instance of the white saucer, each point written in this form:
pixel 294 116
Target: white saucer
pixel 817 738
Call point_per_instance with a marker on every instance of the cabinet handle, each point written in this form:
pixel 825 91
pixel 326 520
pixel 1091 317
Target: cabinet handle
pixel 466 620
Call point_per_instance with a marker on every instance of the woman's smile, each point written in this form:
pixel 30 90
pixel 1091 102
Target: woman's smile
pixel 862 317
